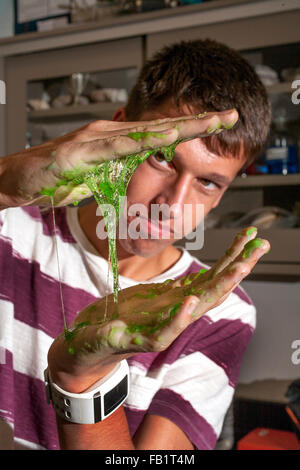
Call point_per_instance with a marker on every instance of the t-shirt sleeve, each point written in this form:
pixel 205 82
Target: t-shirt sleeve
pixel 198 387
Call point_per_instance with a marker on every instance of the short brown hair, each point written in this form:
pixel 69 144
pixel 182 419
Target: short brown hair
pixel 207 76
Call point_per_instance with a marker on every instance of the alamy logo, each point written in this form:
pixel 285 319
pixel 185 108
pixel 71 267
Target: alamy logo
pixel 296 354
pixel 296 93
pixel 2 92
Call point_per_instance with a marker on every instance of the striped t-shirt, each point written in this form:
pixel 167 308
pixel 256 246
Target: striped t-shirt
pixel 190 383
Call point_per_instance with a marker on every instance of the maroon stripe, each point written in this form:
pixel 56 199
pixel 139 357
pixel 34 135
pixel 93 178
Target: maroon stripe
pixel 174 407
pixel 142 359
pixel 46 219
pixel 224 342
pixel 34 419
pixel 6 386
pixel 35 295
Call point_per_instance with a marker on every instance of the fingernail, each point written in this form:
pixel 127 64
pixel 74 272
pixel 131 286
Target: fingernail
pixel 250 231
pixel 251 246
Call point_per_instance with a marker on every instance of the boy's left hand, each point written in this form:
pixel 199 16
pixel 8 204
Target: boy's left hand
pixel 148 317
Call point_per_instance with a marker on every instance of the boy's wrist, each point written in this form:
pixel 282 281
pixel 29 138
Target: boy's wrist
pixel 78 381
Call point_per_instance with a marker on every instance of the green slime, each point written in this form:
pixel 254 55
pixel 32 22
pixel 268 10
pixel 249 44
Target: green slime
pixel 251 246
pixel 108 182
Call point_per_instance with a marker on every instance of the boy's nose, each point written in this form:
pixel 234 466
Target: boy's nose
pixel 175 196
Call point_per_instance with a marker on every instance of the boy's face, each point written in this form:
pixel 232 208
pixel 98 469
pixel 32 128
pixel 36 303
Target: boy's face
pixel 194 177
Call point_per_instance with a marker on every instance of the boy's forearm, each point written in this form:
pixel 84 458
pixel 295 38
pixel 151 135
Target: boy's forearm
pixel 110 434
pixel 8 184
pixel 16 178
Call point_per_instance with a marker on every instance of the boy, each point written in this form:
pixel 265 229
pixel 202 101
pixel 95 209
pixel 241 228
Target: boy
pixel 180 389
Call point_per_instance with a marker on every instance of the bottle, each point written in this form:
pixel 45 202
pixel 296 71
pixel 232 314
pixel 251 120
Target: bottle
pixel 281 155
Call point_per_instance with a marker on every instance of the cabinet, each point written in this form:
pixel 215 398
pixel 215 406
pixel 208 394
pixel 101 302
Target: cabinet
pixel 113 57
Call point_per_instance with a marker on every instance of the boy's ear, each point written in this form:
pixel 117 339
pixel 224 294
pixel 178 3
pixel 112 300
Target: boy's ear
pixel 120 115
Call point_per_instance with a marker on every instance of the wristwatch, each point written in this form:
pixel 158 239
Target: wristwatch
pixel 96 403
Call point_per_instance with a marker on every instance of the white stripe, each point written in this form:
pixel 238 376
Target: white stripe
pixel 28 345
pixel 195 377
pixel 203 384
pixel 142 391
pixel 23 230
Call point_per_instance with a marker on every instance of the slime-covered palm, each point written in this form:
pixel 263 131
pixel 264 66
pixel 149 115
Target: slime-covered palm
pixel 148 317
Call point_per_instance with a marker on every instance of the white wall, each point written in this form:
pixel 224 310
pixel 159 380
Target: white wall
pixel 6 18
pixel 278 325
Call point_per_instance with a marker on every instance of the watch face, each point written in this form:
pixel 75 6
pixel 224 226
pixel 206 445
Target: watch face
pixel 114 397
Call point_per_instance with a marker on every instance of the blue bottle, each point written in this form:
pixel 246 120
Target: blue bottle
pixel 282 155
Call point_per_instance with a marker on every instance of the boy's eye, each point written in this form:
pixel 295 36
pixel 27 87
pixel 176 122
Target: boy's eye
pixel 207 183
pixel 159 157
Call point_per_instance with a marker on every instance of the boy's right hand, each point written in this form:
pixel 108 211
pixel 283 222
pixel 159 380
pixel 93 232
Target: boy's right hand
pixel 24 175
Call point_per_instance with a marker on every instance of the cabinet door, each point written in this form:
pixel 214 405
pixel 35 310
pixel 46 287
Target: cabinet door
pixel 108 56
pixel 242 34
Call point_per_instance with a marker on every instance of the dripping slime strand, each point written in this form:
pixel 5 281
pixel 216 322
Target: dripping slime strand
pixel 58 266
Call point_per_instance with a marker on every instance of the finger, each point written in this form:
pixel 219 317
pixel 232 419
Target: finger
pixel 206 124
pixel 76 154
pixel 187 281
pixel 181 319
pixel 215 291
pixel 253 251
pixel 114 127
pixel 225 120
pixel 218 288
pixel 236 248
pixel 136 141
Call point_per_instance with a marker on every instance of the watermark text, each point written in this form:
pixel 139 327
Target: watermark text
pixel 295 358
pixel 296 93
pixel 2 92
pixel 162 222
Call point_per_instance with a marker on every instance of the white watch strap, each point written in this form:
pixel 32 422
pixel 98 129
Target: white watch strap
pixel 95 404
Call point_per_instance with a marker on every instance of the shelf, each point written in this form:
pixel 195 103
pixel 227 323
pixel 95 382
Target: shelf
pixel 280 88
pixel 270 390
pixel 99 110
pixel 283 259
pixel 169 19
pixel 256 181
